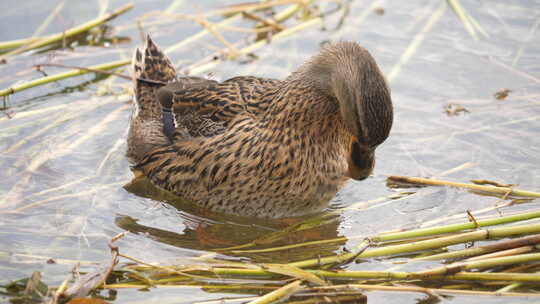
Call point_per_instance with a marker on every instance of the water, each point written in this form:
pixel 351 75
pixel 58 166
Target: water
pixel 62 152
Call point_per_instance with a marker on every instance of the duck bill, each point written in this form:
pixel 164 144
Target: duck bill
pixel 361 161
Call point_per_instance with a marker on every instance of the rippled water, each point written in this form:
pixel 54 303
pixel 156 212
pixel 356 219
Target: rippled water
pixel 62 151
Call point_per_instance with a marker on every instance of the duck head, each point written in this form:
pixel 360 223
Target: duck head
pixel 348 74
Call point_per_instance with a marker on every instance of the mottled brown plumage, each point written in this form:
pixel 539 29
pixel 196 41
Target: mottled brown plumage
pixel 260 147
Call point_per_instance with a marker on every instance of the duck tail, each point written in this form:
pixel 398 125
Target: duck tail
pixel 151 70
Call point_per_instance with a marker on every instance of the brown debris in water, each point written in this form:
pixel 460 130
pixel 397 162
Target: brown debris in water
pixel 379 11
pixel 502 94
pixel 454 109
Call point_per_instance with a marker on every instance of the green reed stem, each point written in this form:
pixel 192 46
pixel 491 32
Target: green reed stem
pixel 279 294
pixel 467 276
pixel 396 249
pixel 457 227
pixel 481 264
pixel 515 243
pixel 454 239
pixel 428 291
pixel 17 43
pixel 56 77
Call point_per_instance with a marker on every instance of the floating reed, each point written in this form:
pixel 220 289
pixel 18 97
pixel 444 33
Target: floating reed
pixel 60 76
pixel 505 191
pixel 487 270
pixel 34 43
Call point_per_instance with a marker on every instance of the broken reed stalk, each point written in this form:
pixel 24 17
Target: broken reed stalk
pixel 487 189
pixel 90 70
pixel 481 264
pixel 512 286
pixel 423 232
pixel 436 274
pixel 199 68
pixel 279 294
pixel 428 291
pixel 350 275
pixel 403 248
pixel 454 272
pixel 504 245
pixel 280 17
pixel 60 76
pixel 398 288
pixel 60 36
pixel 401 275
pixel 235 9
pixel 17 43
pixel 422 245
pixel 507 252
pixel 288 247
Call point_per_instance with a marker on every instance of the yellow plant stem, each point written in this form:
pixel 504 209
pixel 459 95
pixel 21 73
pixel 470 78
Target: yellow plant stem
pixel 466 276
pixel 279 294
pixel 489 189
pixel 481 264
pixel 56 77
pixel 383 237
pixel 429 291
pixel 17 43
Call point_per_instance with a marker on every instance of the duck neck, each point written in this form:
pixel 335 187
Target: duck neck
pixel 301 113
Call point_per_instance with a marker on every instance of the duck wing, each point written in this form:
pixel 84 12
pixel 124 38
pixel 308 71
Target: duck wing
pixel 252 90
pixel 206 108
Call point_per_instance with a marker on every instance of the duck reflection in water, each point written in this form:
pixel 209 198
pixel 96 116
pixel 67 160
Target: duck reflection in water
pixel 207 230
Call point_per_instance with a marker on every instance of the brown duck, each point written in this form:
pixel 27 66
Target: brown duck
pixel 259 147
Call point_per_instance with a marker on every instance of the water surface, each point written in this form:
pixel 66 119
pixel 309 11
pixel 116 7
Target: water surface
pixel 62 151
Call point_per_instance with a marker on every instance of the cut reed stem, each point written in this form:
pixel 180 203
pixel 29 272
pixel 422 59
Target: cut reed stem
pixel 481 264
pixel 488 189
pixel 279 294
pixel 504 245
pixel 458 276
pixel 428 291
pixel 60 76
pixel 17 43
pixel 457 227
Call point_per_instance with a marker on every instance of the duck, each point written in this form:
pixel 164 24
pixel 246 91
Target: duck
pixel 259 147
